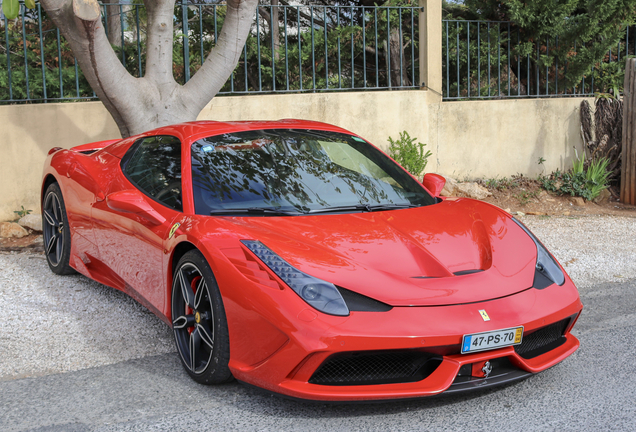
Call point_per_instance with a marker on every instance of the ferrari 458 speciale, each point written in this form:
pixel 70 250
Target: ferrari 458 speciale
pixel 297 257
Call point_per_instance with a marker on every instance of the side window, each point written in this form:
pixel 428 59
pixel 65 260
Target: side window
pixel 154 166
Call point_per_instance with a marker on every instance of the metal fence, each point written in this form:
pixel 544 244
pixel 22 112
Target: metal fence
pixel 488 59
pixel 304 49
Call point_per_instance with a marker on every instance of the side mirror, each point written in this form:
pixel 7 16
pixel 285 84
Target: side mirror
pixel 434 183
pixel 132 201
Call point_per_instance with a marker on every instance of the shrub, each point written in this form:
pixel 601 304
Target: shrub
pixel 578 181
pixel 23 212
pixel 409 153
pixel 597 175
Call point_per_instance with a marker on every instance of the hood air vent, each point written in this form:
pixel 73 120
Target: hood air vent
pixel 459 273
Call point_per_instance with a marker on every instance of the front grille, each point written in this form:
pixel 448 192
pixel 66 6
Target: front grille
pixel 543 340
pixel 379 367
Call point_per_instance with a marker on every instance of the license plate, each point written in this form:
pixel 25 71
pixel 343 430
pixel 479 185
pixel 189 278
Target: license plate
pixel 491 340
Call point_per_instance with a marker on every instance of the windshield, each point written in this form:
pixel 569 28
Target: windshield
pixel 283 171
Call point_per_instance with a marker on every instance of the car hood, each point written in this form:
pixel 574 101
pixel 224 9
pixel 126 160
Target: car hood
pixel 454 252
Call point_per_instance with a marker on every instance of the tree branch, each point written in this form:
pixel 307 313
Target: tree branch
pixel 265 14
pixel 101 67
pixel 160 39
pixel 292 15
pixel 223 58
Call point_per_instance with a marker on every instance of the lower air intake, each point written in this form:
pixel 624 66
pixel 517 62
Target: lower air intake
pixel 379 367
pixel 543 340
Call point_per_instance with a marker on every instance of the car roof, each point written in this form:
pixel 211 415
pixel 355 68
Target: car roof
pixel 192 131
pixel 209 127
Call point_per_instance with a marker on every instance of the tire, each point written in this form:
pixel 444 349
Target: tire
pixel 55 231
pixel 198 321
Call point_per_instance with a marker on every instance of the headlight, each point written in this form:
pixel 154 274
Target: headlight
pixel 320 294
pixel 546 264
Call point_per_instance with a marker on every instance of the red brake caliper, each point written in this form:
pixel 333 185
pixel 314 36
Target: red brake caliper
pixel 189 310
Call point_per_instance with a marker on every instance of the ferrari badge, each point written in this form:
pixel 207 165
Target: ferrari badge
pixel 484 315
pixel 173 229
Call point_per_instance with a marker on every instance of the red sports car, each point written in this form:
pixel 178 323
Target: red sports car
pixel 297 257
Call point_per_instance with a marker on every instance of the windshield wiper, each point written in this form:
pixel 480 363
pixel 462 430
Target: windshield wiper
pixel 256 211
pixel 361 208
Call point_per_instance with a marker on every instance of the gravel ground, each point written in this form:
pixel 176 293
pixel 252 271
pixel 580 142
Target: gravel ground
pixel 52 323
pixel 592 249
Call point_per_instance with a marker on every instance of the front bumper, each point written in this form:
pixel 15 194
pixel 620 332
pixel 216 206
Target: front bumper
pixel 435 330
pixel 442 380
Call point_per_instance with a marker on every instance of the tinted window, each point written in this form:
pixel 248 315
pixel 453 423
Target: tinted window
pixel 300 171
pixel 155 168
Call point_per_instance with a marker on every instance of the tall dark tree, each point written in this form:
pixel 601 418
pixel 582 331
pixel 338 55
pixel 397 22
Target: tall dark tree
pixel 585 30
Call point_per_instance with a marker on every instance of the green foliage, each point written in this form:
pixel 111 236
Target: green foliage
pixel 564 183
pixel 22 212
pixel 578 164
pixel 596 176
pixel 502 183
pixel 578 181
pixel 319 58
pixel 409 153
pixel 310 56
pixel 11 8
pixel 473 50
pixel 39 60
pixel 610 76
pixel 525 197
pixel 555 44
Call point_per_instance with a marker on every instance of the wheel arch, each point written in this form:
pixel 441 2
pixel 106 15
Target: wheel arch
pixel 49 179
pixel 179 250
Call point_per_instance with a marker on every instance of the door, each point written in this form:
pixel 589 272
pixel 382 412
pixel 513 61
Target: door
pixel 130 240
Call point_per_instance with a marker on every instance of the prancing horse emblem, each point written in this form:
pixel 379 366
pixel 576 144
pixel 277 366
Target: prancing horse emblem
pixel 484 315
pixel 487 369
pixel 173 229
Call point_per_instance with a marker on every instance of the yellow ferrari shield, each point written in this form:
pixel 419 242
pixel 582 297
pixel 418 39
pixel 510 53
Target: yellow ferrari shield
pixel 173 229
pixel 484 315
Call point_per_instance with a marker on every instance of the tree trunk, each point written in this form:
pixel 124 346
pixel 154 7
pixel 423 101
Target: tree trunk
pixel 113 18
pixel 275 31
pixel 628 170
pixel 399 72
pixel 272 16
pixel 140 104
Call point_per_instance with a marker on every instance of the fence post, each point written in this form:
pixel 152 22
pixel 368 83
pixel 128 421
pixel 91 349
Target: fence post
pixel 186 39
pixel 628 166
pixel 431 45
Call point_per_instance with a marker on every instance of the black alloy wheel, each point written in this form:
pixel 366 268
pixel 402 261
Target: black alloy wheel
pixel 198 321
pixel 55 230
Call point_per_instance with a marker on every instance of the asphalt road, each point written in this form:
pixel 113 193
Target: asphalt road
pixel 592 390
